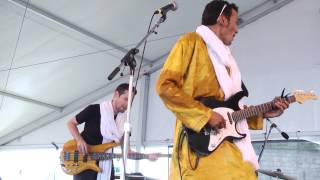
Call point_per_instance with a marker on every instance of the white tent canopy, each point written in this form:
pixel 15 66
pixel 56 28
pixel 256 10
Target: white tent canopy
pixel 56 56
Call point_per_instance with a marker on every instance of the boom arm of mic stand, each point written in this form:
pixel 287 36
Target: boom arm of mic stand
pixel 152 30
pixel 128 59
pixel 283 134
pixel 114 72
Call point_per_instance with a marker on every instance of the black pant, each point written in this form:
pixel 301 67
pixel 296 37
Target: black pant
pixel 91 175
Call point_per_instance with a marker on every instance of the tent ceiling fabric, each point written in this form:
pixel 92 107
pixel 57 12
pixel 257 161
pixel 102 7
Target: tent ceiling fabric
pixel 58 52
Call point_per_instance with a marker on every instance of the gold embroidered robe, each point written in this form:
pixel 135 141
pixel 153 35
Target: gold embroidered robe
pixel 188 73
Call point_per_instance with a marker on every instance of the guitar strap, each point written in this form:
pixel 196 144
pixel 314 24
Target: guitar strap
pixel 244 89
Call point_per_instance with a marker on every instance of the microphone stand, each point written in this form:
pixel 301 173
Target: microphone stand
pixel 265 142
pixel 128 60
pixel 283 134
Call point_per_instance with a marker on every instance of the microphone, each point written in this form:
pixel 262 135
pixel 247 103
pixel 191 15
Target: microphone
pixel 163 11
pixel 283 134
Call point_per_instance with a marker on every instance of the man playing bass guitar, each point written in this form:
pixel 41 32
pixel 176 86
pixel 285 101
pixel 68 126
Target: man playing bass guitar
pixel 103 124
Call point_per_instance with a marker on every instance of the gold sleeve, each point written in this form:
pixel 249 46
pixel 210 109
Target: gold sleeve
pixel 255 123
pixel 175 86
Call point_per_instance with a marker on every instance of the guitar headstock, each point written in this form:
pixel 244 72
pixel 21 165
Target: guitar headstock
pixel 302 96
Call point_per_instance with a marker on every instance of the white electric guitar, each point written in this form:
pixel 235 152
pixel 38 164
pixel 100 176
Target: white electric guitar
pixel 208 139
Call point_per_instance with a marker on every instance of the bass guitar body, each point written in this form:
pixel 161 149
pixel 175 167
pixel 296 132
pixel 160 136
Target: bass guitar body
pixel 73 162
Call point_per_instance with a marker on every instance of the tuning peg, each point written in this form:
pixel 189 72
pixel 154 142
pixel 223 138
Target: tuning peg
pixel 282 93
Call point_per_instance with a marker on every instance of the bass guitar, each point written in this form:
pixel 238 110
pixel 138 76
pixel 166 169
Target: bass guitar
pixel 208 139
pixel 73 162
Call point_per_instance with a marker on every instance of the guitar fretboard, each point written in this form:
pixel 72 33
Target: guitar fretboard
pixel 106 156
pixel 76 156
pixel 256 110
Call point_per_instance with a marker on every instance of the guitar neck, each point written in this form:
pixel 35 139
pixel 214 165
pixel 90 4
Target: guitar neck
pixel 258 109
pixel 135 156
pixel 104 156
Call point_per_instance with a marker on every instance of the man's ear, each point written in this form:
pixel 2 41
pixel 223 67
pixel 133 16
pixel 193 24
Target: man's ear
pixel 223 20
pixel 116 94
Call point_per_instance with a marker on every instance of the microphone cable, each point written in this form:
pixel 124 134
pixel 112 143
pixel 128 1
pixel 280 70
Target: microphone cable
pixel 142 56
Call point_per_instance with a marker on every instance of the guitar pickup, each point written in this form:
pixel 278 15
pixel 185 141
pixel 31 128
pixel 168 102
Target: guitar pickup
pixel 230 118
